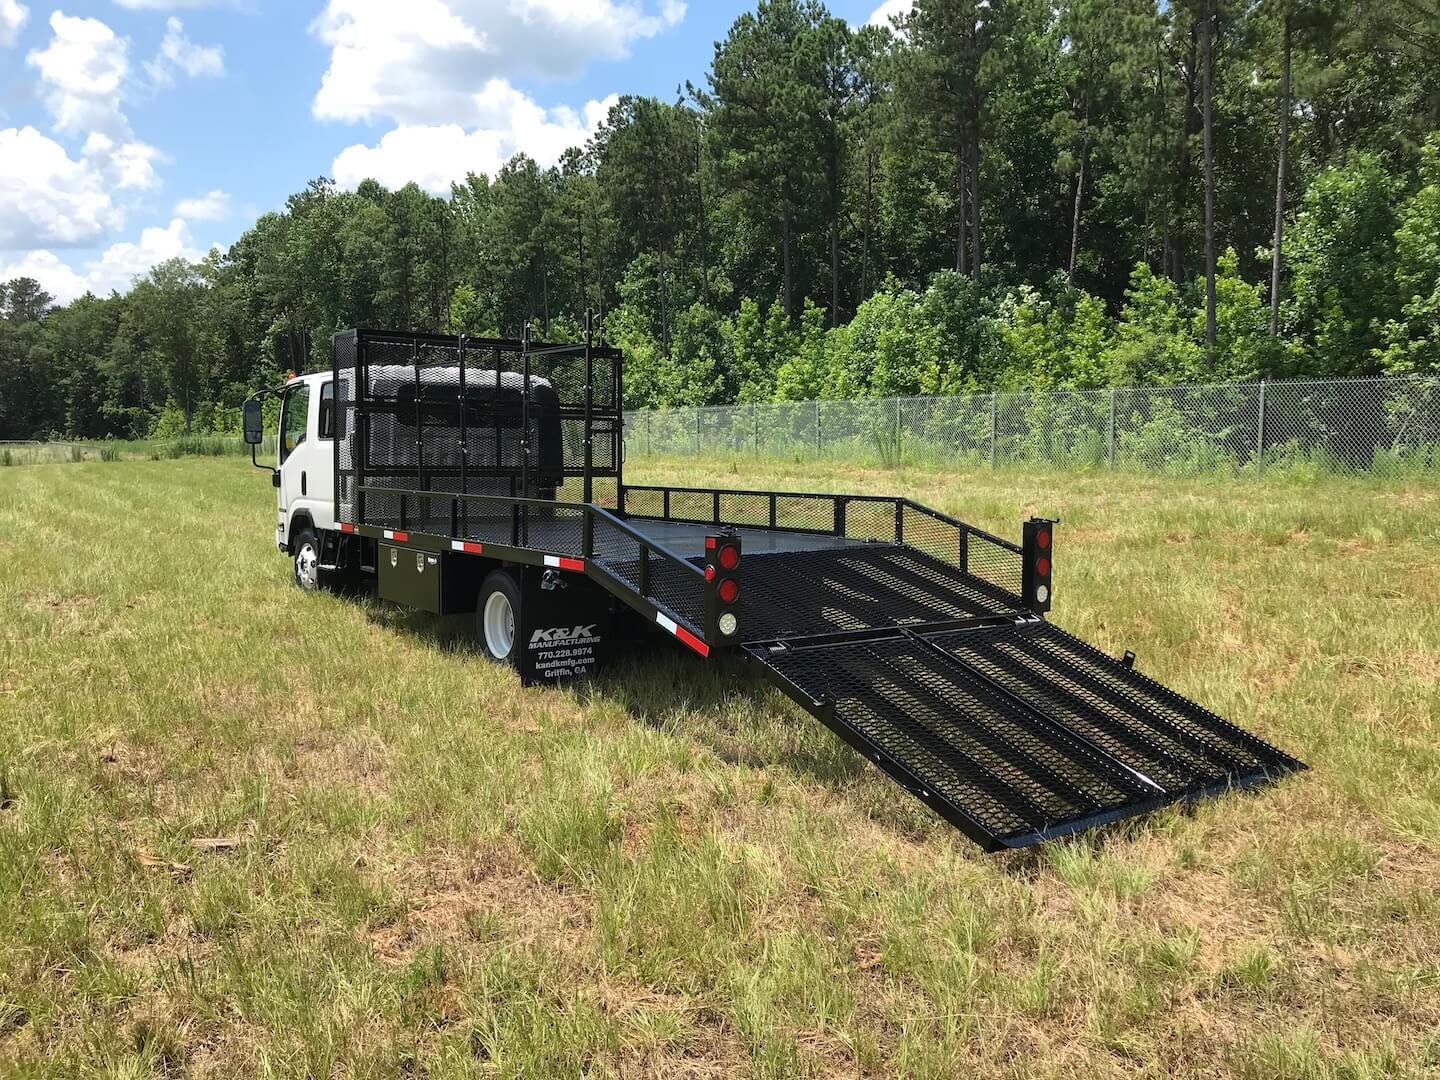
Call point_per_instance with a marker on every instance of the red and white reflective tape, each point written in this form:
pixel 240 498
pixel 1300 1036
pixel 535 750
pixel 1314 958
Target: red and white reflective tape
pixel 345 526
pixel 683 634
pixel 467 547
pixel 578 565
pixel 391 534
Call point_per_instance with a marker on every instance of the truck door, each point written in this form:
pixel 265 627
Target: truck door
pixel 294 433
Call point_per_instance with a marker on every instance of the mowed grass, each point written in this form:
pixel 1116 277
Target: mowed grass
pixel 418 868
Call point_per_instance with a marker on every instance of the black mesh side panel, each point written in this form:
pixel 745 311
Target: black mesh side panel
pixel 644 502
pixel 992 560
pixel 676 590
pixel 867 520
pixel 741 508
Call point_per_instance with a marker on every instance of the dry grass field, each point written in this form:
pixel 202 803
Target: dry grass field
pixel 247 832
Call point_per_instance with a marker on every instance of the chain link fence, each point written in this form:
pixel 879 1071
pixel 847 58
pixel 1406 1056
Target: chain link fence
pixel 1389 426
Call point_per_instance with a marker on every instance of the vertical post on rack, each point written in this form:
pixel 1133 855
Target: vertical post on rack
pixel 1260 433
pixel 589 405
pixel 420 480
pixel 361 447
pixel 464 440
pixel 1110 433
pixel 521 520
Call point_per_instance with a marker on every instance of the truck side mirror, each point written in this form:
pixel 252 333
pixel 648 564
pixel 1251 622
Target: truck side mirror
pixel 254 422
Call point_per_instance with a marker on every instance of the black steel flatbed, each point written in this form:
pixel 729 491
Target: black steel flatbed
pixel 917 638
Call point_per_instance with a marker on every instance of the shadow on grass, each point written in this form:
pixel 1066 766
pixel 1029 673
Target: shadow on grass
pixel 724 705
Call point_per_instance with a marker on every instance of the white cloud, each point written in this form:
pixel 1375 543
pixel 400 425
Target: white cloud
pixel 116 268
pixel 433 155
pixel 82 70
pixel 425 62
pixel 12 17
pixel 179 53
pixel 172 5
pixel 128 164
pixel 882 15
pixel 49 199
pixel 212 206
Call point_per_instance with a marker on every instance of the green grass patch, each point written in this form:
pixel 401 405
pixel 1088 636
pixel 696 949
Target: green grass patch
pixel 410 865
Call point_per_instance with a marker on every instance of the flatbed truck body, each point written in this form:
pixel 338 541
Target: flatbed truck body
pixel 486 476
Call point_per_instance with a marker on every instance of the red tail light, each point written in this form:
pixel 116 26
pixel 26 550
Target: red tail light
pixel 729 557
pixel 1042 566
pixel 729 590
pixel 1042 540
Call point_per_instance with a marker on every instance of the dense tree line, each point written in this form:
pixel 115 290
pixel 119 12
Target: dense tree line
pixel 992 193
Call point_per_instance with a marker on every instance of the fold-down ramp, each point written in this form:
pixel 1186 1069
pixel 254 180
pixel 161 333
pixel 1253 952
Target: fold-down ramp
pixel 1012 729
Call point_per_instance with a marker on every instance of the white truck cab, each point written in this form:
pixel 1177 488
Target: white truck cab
pixel 305 476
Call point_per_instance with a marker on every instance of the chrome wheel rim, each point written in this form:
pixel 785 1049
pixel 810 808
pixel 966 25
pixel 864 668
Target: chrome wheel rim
pixel 499 625
pixel 307 567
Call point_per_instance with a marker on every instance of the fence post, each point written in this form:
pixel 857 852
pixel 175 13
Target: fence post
pixel 817 429
pixel 1110 432
pixel 992 429
pixel 897 431
pixel 696 411
pixel 755 420
pixel 1260 433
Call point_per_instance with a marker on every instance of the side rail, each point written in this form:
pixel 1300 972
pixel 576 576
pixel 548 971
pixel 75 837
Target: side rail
pixel 581 537
pixel 998 563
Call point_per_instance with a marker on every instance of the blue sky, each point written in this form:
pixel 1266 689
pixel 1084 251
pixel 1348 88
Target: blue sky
pixel 136 130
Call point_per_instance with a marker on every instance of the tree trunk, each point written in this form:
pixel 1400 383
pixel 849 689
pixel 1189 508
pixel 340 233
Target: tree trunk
pixel 1080 192
pixel 865 229
pixel 975 249
pixel 1207 49
pixel 664 307
pixel 960 266
pixel 704 230
pixel 1175 251
pixel 1280 180
pixel 785 263
pixel 835 270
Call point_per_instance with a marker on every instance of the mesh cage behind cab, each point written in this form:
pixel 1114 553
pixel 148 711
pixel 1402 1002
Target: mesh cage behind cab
pixel 470 416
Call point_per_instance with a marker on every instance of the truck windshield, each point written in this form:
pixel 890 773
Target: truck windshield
pixel 296 416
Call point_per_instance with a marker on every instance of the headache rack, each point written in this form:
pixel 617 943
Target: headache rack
pixel 919 639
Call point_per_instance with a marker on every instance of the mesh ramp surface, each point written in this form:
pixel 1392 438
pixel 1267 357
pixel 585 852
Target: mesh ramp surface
pixel 859 587
pixel 1018 733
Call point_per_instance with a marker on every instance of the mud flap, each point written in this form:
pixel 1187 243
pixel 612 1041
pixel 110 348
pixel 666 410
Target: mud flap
pixel 565 627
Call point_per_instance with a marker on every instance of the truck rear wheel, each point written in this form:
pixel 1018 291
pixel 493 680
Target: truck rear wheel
pixel 497 614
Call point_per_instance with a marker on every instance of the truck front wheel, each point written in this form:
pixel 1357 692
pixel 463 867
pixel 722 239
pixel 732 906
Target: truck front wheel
pixel 497 615
pixel 305 549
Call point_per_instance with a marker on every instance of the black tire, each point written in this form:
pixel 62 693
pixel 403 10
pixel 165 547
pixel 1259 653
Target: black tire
pixel 499 596
pixel 305 560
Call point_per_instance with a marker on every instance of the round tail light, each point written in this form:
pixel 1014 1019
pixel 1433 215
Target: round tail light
pixel 729 590
pixel 729 557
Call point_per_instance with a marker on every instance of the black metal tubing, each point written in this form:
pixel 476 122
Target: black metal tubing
pixel 405 337
pixel 883 633
pixel 591 514
pixel 899 502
